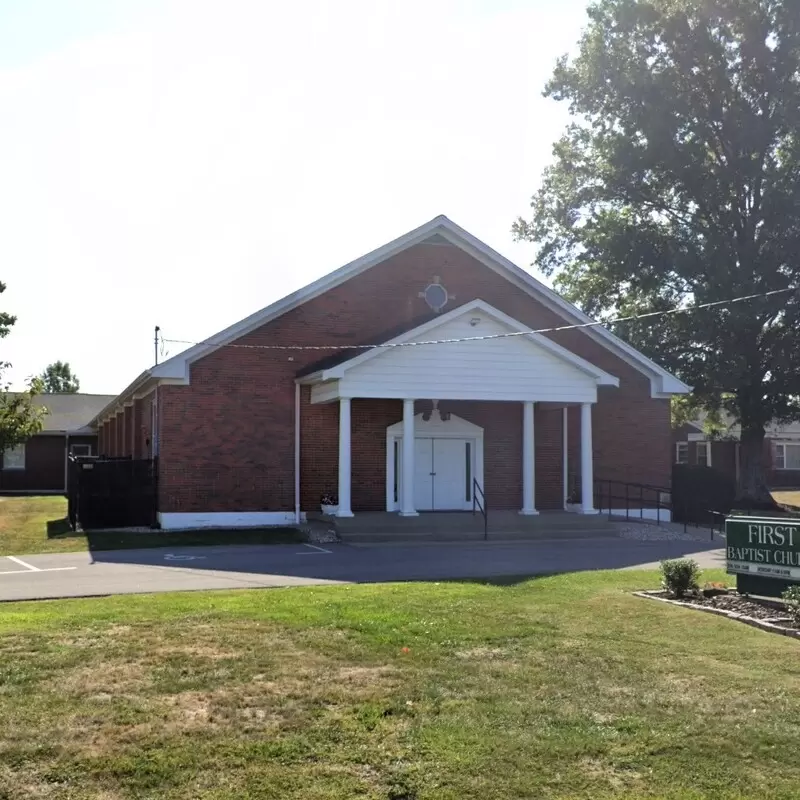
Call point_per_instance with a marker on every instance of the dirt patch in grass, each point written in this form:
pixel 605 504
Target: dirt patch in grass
pixel 108 679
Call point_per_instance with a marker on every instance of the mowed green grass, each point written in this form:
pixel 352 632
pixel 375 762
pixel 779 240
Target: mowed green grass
pixel 564 687
pixel 36 525
pixel 789 497
pixel 30 525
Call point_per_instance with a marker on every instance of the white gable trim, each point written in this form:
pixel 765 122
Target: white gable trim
pixel 477 306
pixel 663 384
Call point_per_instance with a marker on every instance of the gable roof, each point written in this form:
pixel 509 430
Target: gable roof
pixel 71 413
pixel 426 332
pixel 442 230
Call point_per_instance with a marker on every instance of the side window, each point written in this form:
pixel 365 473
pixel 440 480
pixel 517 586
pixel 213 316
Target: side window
pixel 14 457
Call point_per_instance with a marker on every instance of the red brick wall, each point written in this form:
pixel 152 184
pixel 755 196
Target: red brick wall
pixel 112 437
pixel 238 413
pixel 144 435
pixel 44 464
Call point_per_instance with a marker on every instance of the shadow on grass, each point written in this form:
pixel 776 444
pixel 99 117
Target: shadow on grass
pixel 60 529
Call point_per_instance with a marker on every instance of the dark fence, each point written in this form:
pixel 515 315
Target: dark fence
pixel 112 492
pixel 701 495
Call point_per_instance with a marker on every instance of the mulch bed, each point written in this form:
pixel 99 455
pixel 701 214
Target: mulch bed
pixel 768 615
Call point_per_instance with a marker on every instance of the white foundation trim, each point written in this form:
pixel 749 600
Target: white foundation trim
pixel 225 519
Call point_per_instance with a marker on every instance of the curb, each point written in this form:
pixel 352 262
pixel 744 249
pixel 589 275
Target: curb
pixel 721 612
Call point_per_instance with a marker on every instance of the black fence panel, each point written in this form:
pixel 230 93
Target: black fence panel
pixel 112 493
pixel 701 495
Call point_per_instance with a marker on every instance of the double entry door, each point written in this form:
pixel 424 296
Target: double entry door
pixel 443 473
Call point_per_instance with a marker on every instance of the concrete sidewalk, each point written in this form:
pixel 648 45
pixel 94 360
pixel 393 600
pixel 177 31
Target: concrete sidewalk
pixel 228 567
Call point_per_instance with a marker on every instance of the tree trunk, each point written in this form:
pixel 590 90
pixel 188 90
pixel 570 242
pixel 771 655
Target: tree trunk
pixel 752 491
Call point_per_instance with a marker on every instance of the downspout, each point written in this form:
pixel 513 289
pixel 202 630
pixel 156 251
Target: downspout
pixel 565 455
pixel 66 461
pixel 297 453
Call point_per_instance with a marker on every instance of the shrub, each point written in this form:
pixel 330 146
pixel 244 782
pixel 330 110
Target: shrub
pixel 791 597
pixel 679 576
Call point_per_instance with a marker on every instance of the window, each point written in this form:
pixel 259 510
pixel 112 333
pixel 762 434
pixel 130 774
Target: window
pixel 14 457
pixel 704 454
pixel 787 456
pixel 80 449
pixel 682 452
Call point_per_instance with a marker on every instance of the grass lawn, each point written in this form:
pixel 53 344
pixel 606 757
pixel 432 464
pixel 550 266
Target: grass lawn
pixel 787 497
pixel 561 687
pixel 39 525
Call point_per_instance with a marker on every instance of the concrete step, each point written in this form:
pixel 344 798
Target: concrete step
pixel 464 523
pixel 422 537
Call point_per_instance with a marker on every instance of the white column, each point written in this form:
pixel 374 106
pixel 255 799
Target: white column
pixel 344 458
pixel 528 461
pixel 407 500
pixel 587 474
pixel 565 453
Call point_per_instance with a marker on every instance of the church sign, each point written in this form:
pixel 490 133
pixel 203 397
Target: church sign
pixel 763 553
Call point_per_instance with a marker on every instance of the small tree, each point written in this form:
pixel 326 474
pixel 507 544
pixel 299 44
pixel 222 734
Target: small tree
pixel 58 378
pixel 19 417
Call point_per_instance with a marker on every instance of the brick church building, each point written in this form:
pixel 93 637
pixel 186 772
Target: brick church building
pixel 428 383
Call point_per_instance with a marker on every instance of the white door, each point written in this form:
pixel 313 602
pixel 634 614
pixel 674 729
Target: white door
pixel 449 474
pixel 443 470
pixel 423 474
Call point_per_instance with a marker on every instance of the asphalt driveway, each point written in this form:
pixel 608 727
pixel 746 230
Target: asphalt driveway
pixel 228 567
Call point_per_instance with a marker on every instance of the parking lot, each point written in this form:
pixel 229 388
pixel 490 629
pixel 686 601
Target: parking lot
pixel 229 567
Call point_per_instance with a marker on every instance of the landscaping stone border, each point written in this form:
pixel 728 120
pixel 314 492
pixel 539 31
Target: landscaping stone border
pixel 756 623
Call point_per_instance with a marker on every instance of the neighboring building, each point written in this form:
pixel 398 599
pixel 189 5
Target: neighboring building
pixel 39 465
pixel 692 445
pixel 248 432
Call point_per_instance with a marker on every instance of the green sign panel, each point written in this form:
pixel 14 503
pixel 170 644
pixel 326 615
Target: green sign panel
pixel 764 547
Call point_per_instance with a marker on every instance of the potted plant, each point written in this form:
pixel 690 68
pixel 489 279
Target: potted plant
pixel 329 503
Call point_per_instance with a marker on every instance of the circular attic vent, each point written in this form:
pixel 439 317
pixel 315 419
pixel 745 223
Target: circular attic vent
pixel 435 296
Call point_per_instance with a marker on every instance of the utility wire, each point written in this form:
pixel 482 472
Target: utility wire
pixel 508 335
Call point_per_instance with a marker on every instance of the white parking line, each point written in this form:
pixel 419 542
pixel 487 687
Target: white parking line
pixel 30 568
pixel 317 550
pixel 23 563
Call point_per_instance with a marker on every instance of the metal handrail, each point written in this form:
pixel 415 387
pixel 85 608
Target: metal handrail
pixel 638 492
pixel 480 505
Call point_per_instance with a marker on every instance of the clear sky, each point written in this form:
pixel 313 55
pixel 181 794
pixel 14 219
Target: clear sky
pixel 187 163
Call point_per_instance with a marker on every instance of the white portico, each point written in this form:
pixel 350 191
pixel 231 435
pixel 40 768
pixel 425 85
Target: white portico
pixel 473 353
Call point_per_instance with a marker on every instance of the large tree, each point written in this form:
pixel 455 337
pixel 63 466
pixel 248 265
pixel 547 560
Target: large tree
pixel 20 418
pixel 58 378
pixel 678 183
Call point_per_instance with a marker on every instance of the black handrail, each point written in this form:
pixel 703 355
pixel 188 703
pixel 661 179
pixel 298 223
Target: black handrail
pixel 480 504
pixel 606 492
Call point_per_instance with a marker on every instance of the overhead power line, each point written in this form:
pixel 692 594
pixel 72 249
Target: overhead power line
pixel 507 335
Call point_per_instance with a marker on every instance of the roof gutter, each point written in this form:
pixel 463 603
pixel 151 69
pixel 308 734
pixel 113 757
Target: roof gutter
pixel 122 397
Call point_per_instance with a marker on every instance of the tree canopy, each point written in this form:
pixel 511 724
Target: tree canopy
pixel 57 377
pixel 678 183
pixel 19 417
